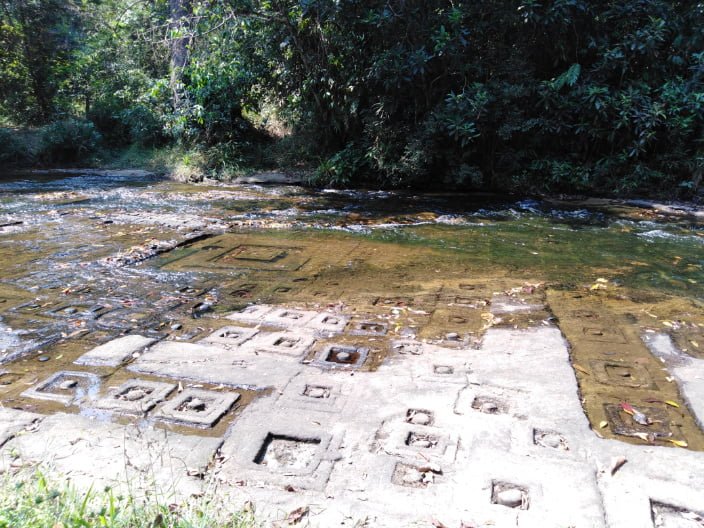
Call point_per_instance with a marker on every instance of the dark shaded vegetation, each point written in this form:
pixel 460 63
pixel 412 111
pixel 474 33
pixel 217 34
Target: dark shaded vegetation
pixel 595 97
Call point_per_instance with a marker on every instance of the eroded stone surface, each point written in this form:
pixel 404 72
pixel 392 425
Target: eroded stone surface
pixel 211 364
pixel 13 422
pixel 115 352
pixel 99 454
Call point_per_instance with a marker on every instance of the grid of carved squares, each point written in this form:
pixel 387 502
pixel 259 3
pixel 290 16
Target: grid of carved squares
pixel 191 407
pixel 419 433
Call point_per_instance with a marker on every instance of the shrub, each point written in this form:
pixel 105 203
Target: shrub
pixel 105 115
pixel 11 149
pixel 68 140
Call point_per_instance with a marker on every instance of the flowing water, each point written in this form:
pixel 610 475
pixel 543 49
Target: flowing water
pixel 87 256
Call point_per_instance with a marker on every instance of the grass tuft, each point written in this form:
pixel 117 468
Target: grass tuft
pixel 32 501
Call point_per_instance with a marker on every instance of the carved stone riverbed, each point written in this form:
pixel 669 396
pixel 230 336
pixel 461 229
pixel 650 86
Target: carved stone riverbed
pixel 378 359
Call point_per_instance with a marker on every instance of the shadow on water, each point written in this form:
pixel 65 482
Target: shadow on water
pixel 69 180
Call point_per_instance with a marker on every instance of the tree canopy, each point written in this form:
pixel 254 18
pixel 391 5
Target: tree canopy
pixel 552 95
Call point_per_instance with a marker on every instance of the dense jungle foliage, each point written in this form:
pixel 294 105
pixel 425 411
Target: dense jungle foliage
pixel 553 95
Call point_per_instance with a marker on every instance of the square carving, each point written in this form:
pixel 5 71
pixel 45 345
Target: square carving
pixel 243 291
pixel 232 336
pixel 510 495
pixel 255 253
pixel 328 323
pixel 420 417
pixel 8 379
pixel 550 439
pixel 318 392
pixel 411 476
pixel 393 302
pixel 443 370
pixel 670 516
pixel 622 374
pixel 368 328
pixel 623 424
pixel 281 452
pixel 584 314
pixel 65 387
pixel 284 343
pixel 135 396
pixel 198 408
pixel 489 405
pixel 604 334
pixel 262 257
pixel 84 311
pixel 288 317
pixel 341 357
pixel 407 348
pixel 287 451
pixel 421 440
pixel 251 314
pixel 312 393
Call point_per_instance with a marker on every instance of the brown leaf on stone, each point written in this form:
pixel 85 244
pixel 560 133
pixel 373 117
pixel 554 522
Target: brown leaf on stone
pixel 196 472
pixel 580 368
pixel 297 515
pixel 617 463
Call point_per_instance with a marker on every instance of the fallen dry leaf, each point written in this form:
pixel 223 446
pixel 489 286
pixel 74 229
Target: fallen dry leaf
pixel 648 437
pixel 617 463
pixel 627 408
pixel 580 368
pixel 678 443
pixel 297 515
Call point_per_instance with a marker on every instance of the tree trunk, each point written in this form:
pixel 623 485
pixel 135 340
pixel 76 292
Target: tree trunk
pixel 181 39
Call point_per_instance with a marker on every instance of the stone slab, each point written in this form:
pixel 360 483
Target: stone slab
pixel 13 422
pixel 288 317
pixel 253 314
pixel 217 365
pixel 115 352
pixel 422 444
pixel 324 392
pixel 231 336
pixel 688 371
pixel 289 343
pixel 137 461
pixel 328 323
